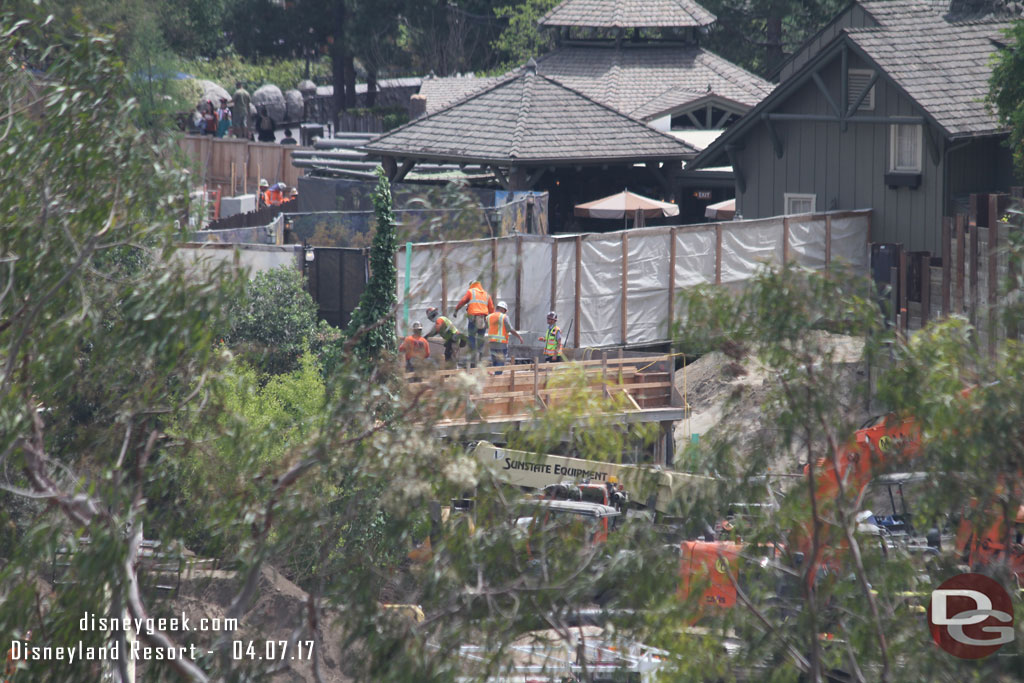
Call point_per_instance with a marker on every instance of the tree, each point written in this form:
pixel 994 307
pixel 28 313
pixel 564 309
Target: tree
pixel 1006 90
pixel 523 39
pixel 372 326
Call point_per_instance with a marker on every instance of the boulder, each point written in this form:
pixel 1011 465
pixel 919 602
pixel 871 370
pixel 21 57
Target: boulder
pixel 270 96
pixel 213 92
pixel 294 105
pixel 307 88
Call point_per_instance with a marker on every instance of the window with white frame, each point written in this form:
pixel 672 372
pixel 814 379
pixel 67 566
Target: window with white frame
pixel 905 148
pixel 799 203
pixel 856 79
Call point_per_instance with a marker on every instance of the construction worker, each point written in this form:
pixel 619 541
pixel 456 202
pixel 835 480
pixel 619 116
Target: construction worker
pixel 552 340
pixel 478 305
pixel 447 330
pixel 263 195
pixel 11 663
pixel 498 329
pixel 415 346
pixel 276 194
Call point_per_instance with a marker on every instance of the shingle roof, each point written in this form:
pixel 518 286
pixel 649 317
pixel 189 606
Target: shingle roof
pixel 628 14
pixel 524 119
pixel 441 92
pixel 941 62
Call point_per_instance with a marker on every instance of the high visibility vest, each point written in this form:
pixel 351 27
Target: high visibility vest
pixel 265 195
pixel 415 347
pixel 497 329
pixel 477 301
pixel 446 328
pixel 551 345
pixel 274 197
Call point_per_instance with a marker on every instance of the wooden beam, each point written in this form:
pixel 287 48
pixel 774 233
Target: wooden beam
pixel 737 172
pixel 974 274
pixel 824 91
pixel 947 262
pixel 502 178
pixel 862 95
pixel 932 142
pixel 774 135
pixel 625 284
pixel 578 311
pixel 785 240
pixel 404 170
pixel 826 118
pixel 961 260
pixel 926 287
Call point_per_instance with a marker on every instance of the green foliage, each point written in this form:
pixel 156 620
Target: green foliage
pixel 1006 91
pixel 522 38
pixel 274 321
pixel 228 67
pixel 373 322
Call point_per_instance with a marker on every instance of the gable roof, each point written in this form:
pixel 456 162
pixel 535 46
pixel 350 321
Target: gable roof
pixel 529 119
pixel 628 14
pixel 943 66
pixel 643 82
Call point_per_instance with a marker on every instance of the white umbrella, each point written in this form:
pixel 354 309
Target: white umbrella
pixel 721 210
pixel 626 205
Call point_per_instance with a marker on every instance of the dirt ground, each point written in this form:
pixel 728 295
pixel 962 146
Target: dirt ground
pixel 728 397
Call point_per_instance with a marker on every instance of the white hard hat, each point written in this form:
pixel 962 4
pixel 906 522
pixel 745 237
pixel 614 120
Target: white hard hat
pixel 417 326
pixel 502 304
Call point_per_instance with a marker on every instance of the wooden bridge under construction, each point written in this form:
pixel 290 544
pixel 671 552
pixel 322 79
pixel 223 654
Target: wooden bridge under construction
pixel 618 389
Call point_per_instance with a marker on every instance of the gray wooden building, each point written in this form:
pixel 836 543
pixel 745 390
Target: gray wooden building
pixel 882 109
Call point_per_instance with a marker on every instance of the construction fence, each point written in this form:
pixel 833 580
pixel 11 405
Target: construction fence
pixel 967 278
pixel 619 289
pixel 235 166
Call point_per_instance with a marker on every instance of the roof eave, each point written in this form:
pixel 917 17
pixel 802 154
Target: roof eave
pixel 538 161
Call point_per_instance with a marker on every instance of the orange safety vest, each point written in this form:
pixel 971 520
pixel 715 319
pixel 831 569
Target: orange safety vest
pixel 274 197
pixel 497 328
pixel 415 347
pixel 477 301
pixel 551 345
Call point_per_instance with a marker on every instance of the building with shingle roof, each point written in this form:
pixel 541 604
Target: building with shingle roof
pixel 883 108
pixel 628 14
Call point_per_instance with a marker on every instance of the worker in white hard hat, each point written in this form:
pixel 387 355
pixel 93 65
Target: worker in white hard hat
pixel 498 329
pixel 262 196
pixel 552 340
pixel 415 347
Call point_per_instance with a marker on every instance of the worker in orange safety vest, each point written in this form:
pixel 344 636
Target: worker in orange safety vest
pixel 263 194
pixel 478 305
pixel 415 347
pixel 498 329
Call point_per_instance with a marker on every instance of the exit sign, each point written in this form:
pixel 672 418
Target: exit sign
pixel 702 194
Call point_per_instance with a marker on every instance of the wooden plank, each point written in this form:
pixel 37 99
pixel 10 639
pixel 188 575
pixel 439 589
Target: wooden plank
pixel 671 281
pixel 961 242
pixel 947 262
pixel 828 240
pixel 718 254
pixel 894 289
pixel 625 284
pixel 926 287
pixel 519 281
pixel 785 240
pixel 993 248
pixel 579 308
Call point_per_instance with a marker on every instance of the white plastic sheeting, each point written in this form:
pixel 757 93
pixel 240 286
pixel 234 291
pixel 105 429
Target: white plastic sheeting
pixel 601 291
pixel 850 240
pixel 746 246
pixel 647 284
pixel 200 258
pixel 695 258
pixel 749 245
pixel 807 242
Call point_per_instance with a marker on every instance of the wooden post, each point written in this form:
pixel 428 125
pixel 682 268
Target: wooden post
pixel 974 274
pixel 578 311
pixel 828 241
pixel 718 254
pixel 926 288
pixel 625 281
pixel 604 372
pixel 494 265
pixel 554 274
pixel 519 280
pixel 671 280
pixel 947 262
pixel 444 278
pixel 785 240
pixel 903 290
pixel 620 367
pixel 993 271
pixel 536 394
pixel 958 292
pixel 894 295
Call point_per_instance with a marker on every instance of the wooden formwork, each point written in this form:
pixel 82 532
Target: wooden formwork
pixel 630 385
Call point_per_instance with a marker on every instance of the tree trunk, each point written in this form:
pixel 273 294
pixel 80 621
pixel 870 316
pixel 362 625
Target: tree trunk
pixel 338 60
pixel 371 87
pixel 773 39
pixel 350 79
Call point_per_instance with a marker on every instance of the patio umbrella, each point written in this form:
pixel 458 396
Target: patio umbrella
pixel 626 205
pixel 721 210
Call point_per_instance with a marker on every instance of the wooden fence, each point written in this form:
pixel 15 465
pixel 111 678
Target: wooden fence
pixel 235 166
pixel 966 279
